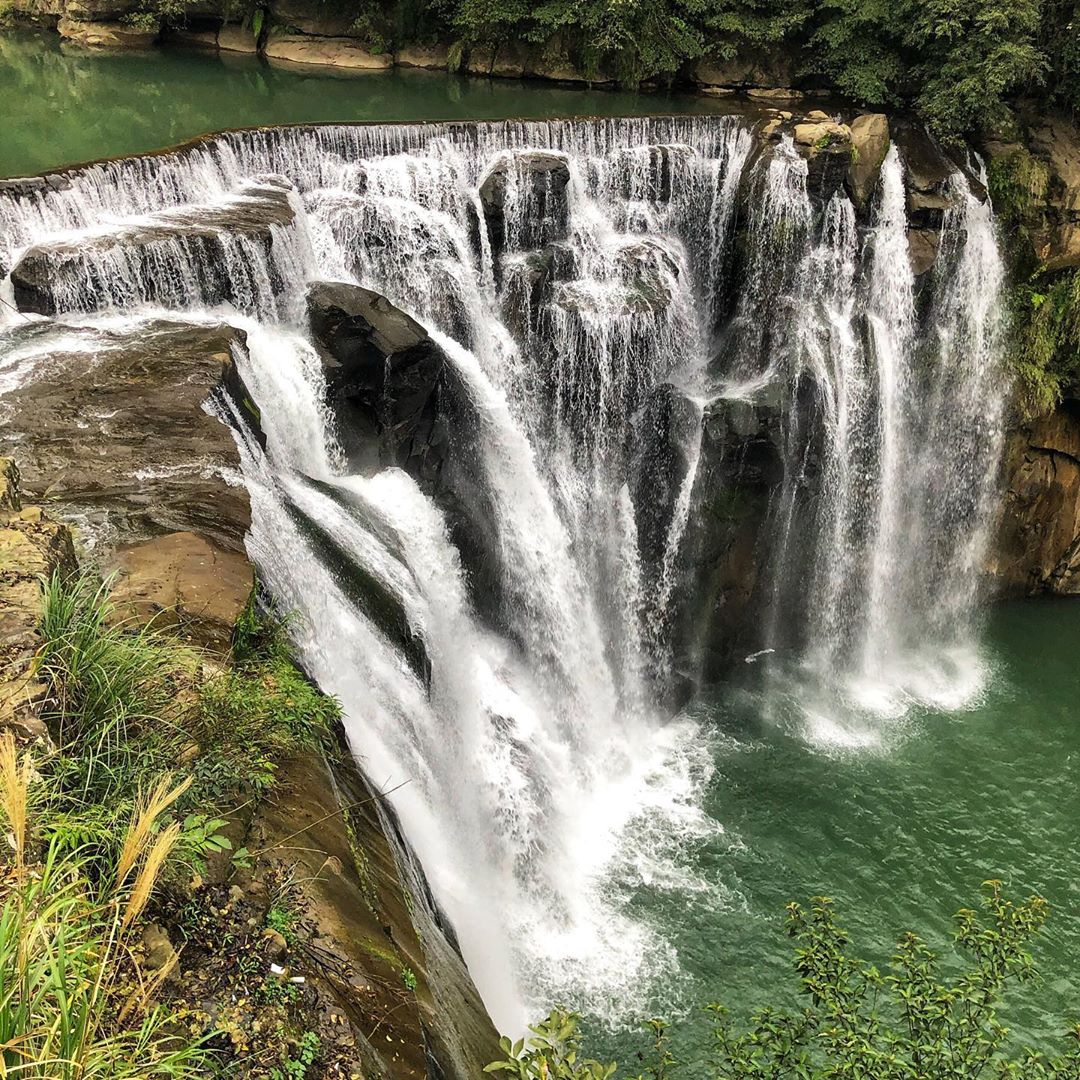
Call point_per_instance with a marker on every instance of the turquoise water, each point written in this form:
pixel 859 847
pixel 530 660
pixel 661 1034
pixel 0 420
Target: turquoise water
pixel 901 835
pixel 71 104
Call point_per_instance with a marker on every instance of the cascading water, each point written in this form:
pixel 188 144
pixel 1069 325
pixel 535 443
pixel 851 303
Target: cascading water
pixel 596 289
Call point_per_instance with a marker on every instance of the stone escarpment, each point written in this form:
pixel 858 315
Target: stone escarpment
pixel 1037 178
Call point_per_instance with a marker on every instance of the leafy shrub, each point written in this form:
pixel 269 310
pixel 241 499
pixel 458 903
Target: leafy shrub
pixel 911 1023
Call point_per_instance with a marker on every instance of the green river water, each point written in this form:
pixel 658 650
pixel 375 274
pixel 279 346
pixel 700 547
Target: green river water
pixel 64 104
pixel 901 833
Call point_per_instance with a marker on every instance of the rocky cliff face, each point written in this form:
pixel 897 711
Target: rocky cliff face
pixel 1038 547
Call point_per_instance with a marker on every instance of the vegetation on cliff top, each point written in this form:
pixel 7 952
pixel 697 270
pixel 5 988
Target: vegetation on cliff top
pixel 957 62
pixel 921 1020
pixel 157 748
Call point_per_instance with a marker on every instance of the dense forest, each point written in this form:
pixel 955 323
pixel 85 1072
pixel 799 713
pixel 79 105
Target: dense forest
pixel 956 61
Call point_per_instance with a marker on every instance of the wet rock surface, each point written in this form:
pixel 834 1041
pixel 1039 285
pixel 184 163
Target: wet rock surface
pixel 539 178
pixel 1038 544
pixel 111 430
pixel 384 378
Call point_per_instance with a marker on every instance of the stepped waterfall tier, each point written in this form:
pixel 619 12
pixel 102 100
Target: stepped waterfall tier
pixel 548 425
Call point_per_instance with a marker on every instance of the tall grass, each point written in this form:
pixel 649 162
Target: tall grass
pixel 73 1002
pixel 152 741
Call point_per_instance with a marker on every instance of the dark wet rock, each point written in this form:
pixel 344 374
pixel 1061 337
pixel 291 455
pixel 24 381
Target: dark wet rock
pixel 364 589
pixel 81 274
pixel 726 547
pixel 927 174
pixel 362 888
pixel 1038 543
pixel 662 164
pixel 665 431
pixel 528 283
pixel 384 379
pixel 539 179
pixel 923 245
pixel 112 432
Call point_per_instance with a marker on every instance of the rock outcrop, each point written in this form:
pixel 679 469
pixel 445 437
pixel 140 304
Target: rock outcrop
pixel 827 147
pixel 378 928
pixel 1038 543
pixel 537 177
pixel 869 135
pixel 109 35
pixel 335 52
pixel 384 377
pixel 115 435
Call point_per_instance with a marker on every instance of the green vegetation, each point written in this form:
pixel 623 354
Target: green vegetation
pixel 957 62
pixel 923 1019
pixel 1044 305
pixel 157 750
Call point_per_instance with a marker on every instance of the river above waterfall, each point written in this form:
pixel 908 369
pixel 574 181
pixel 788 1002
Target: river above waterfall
pixel 73 104
pixel 550 788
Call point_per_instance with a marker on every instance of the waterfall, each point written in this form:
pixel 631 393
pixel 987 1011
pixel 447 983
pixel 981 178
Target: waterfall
pixel 601 291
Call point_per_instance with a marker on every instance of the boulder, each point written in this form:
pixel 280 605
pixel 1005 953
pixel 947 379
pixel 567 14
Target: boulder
pixel 540 178
pixel 384 378
pixel 748 68
pixel 559 68
pixel 182 582
pixel 923 247
pixel 725 548
pixel 927 173
pixel 76 273
pixel 238 39
pixel 108 35
pixel 775 93
pixel 869 145
pixel 114 433
pixel 321 17
pixel 433 57
pixel 336 52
